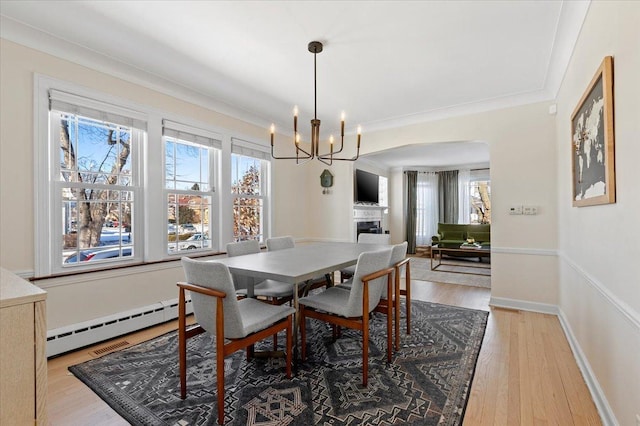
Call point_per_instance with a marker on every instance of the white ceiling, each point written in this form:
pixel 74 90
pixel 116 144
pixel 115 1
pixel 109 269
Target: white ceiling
pixel 385 63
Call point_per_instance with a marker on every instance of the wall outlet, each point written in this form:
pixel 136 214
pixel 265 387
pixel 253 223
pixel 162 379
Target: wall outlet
pixel 529 210
pixel 515 210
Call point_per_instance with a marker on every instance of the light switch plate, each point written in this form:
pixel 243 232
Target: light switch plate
pixel 515 210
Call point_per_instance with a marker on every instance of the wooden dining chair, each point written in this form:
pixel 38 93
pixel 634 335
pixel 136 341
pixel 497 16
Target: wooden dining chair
pixel 242 322
pixel 397 262
pixel 271 291
pixel 364 238
pixel 352 309
pixel 287 242
pixel 275 292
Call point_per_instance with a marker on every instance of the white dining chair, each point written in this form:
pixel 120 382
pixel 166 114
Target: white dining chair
pixel 287 242
pixel 364 238
pixel 217 311
pixel 397 262
pixel 352 309
pixel 275 292
pixel 271 291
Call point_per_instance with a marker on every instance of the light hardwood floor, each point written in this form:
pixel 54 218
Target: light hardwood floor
pixel 526 373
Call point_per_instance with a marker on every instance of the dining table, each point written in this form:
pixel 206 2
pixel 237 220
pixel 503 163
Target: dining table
pixel 298 265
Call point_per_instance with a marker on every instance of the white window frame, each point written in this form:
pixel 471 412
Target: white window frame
pixel 47 239
pixel 149 229
pixel 188 134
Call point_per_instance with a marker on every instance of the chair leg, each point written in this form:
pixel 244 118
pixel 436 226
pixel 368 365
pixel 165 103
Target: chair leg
pixel 365 349
pixel 389 328
pixel 220 377
pixel 275 342
pixel 289 345
pixel 303 334
pixel 396 306
pixel 408 296
pixel 182 344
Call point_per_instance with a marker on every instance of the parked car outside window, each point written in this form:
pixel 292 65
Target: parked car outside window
pixel 98 254
pixel 196 241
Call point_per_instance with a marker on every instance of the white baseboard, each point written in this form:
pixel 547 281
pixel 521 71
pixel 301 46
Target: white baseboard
pixel 523 305
pixel 604 409
pixel 75 336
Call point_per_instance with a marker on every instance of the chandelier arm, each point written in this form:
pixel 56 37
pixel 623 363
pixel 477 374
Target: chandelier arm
pixel 322 159
pixel 297 157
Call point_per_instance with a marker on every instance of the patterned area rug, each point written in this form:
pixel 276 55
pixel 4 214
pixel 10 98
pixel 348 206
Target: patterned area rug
pixel 427 383
pixel 450 273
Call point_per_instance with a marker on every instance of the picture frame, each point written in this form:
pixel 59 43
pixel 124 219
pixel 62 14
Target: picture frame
pixel 592 141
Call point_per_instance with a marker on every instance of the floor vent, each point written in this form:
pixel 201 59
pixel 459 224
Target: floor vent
pixel 75 336
pixel 115 346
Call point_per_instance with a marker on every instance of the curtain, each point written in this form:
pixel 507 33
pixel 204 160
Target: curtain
pixel 448 192
pixel 464 205
pixel 411 210
pixel 427 207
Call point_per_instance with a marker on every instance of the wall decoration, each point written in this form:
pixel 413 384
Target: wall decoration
pixel 592 141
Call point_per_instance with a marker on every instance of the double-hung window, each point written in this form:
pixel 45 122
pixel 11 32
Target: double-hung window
pixel 94 182
pixel 190 162
pixel 249 190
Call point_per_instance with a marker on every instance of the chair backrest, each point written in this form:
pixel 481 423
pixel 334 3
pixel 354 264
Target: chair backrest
pixel 368 263
pixel 280 243
pixel 366 238
pixel 216 276
pixel 239 249
pixel 398 253
pixel 243 247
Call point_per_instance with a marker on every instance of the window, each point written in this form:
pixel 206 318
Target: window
pixel 383 193
pixel 189 187
pixel 480 201
pixel 249 175
pixel 94 183
pixel 119 183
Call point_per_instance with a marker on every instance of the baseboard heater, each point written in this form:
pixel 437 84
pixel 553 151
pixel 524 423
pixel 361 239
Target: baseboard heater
pixel 72 337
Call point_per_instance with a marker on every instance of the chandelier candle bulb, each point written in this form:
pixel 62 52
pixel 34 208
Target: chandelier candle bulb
pixel 273 131
pixel 359 133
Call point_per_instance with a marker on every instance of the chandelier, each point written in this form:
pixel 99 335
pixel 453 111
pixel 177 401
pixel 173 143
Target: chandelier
pixel 315 47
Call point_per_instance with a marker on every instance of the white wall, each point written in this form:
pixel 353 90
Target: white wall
pixel 599 274
pixel 522 152
pixel 88 296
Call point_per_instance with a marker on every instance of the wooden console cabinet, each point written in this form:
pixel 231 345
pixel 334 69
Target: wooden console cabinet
pixel 23 362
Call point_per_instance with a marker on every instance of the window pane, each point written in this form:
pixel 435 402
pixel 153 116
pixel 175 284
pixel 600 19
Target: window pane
pixel 480 203
pixel 96 225
pixel 188 222
pixel 187 166
pixel 94 152
pixel 245 175
pixel 247 219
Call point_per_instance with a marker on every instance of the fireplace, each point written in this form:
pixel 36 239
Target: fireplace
pixel 369 227
pixel 367 219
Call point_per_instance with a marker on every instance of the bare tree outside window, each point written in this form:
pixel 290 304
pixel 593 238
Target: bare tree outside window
pixel 480 193
pixel 95 161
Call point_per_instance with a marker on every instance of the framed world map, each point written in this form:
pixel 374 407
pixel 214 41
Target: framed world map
pixel 592 141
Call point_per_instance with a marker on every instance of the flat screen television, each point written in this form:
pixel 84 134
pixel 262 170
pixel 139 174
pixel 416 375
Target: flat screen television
pixel 366 187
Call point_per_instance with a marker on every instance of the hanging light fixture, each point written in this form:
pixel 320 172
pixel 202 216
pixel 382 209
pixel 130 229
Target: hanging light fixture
pixel 315 47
